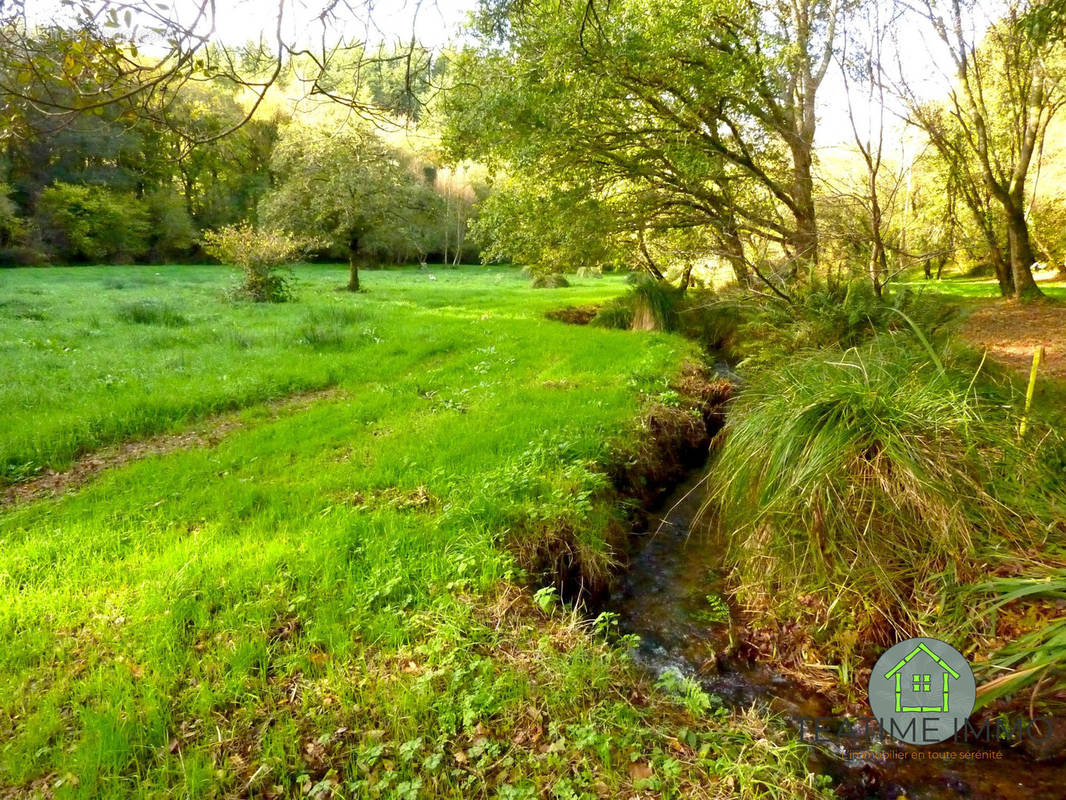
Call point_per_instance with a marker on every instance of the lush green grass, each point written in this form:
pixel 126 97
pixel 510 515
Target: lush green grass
pixel 97 355
pixel 323 603
pixel 975 288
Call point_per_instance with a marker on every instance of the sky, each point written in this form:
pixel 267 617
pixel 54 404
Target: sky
pixel 434 22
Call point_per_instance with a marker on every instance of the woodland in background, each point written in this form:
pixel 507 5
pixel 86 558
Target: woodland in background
pixel 669 137
pixel 660 134
pixel 118 186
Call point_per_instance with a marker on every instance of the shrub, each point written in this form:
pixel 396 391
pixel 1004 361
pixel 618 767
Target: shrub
pixel 711 319
pixel 649 305
pixel 10 224
pixel 552 280
pixel 92 223
pixel 21 256
pixel 260 255
pixel 860 488
pixel 149 312
pixel 845 314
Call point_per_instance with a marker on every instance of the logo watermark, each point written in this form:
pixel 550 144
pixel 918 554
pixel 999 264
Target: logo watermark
pixel 922 692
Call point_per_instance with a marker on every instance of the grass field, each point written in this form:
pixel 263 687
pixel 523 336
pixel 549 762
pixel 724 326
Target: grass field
pixel 98 355
pixel 324 603
pixel 974 288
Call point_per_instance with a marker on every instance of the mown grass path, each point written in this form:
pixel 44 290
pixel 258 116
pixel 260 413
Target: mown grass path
pixel 321 603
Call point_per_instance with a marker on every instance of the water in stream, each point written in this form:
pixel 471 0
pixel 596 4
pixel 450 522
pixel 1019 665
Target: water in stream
pixel 663 598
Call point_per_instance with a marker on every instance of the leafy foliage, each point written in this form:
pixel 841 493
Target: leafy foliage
pixel 354 191
pixel 93 223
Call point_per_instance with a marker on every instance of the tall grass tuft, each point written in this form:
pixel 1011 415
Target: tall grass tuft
pixel 862 487
pixel 328 328
pixel 655 305
pixel 614 315
pixel 650 305
pixel 150 312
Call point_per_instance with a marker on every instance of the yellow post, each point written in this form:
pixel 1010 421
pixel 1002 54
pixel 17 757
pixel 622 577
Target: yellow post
pixel 1038 356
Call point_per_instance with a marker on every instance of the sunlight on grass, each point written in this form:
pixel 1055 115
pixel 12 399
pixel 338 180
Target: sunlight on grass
pixel 323 599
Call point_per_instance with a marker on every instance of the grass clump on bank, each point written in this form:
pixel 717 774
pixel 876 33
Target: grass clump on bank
pixel 884 484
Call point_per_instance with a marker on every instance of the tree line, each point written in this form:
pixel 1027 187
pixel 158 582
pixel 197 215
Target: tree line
pixel 636 134
pixel 117 185
pixel 681 128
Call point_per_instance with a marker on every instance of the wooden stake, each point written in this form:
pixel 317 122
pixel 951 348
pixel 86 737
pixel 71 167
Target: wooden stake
pixel 1038 356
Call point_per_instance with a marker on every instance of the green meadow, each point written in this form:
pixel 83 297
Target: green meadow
pixel 959 287
pixel 327 602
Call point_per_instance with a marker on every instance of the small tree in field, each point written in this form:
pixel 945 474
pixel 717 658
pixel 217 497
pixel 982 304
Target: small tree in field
pixel 353 191
pixel 261 255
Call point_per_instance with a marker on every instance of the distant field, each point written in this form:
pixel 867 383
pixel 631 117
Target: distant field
pixel 323 603
pixel 976 288
pixel 94 355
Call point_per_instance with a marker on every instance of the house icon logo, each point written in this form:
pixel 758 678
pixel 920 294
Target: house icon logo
pixel 922 691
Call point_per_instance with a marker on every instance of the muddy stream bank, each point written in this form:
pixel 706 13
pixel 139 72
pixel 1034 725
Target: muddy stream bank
pixel 672 596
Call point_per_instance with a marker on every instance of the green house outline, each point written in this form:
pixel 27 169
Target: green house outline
pixel 895 671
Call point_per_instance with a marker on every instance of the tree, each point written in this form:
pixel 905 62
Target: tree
pixel 261 256
pixel 93 223
pixel 552 229
pixel 703 110
pixel 347 187
pixel 866 33
pixel 1008 85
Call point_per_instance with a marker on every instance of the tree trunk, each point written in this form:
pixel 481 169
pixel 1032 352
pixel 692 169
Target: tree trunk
pixel 353 273
pixel 353 265
pixel 805 237
pixel 878 258
pixel 460 233
pixel 733 251
pixel 995 256
pixel 648 260
pixel 686 278
pixel 878 266
pixel 1021 255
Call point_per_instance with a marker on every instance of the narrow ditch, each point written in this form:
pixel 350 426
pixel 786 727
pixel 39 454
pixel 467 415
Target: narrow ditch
pixel 672 595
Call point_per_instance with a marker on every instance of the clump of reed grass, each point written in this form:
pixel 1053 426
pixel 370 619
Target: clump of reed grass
pixel 328 328
pixel 150 312
pixel 650 306
pixel 1036 660
pixel 861 488
pixel 655 305
pixel 614 315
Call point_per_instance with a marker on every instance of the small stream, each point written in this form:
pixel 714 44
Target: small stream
pixel 663 598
